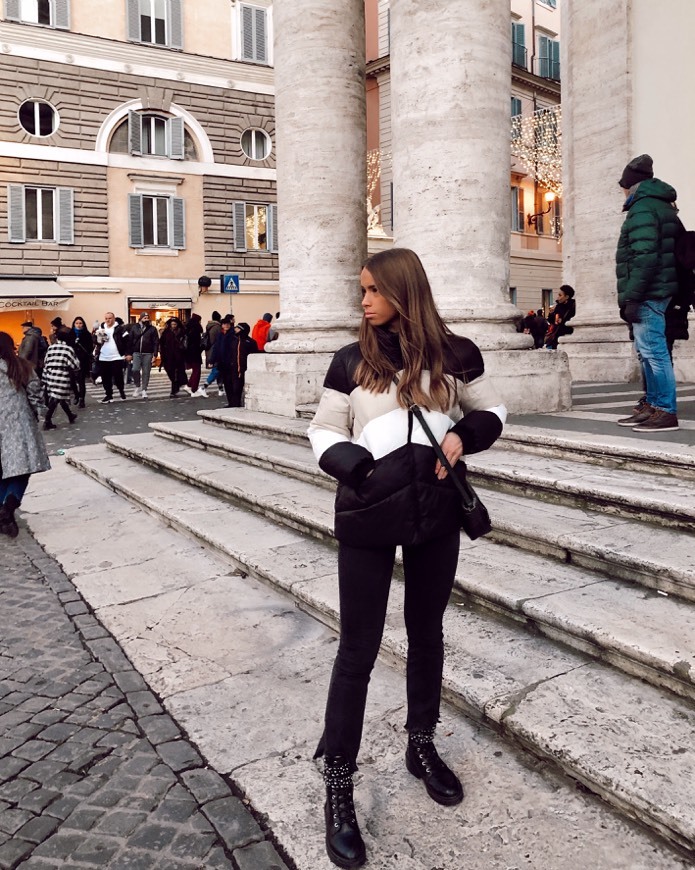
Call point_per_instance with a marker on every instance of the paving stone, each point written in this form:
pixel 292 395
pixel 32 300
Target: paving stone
pixel 121 823
pixel 259 856
pixel 130 681
pixel 160 729
pixel 205 784
pixel 192 846
pixel 12 820
pixel 38 829
pixel 153 836
pixel 179 755
pixel 232 820
pixel 144 703
pixel 96 850
pixel 11 766
pixel 13 851
pixel 37 800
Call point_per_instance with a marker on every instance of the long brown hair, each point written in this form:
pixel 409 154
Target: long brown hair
pixel 18 370
pixel 401 279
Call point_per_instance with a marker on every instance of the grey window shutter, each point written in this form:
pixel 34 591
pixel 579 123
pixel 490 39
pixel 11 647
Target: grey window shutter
pixel 543 56
pixel 133 15
pixel 247 33
pixel 15 205
pixel 261 31
pixel 273 228
pixel 175 134
pixel 175 22
pixel 61 14
pixel 177 214
pixel 239 218
pixel 66 216
pixel 135 220
pixel 13 10
pixel 135 133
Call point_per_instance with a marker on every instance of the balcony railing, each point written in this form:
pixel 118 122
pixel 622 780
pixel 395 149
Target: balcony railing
pixel 519 55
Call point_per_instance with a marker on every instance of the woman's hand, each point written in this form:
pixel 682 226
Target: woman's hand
pixel 452 447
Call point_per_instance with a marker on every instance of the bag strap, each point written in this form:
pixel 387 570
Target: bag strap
pixel 468 501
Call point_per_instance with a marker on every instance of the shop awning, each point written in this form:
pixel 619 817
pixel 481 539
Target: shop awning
pixel 18 294
pixel 161 303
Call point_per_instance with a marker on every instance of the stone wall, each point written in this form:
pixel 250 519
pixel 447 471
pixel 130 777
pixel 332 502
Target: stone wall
pixel 84 99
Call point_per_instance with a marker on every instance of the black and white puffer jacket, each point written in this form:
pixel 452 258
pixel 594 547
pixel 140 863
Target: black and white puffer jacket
pixel 355 432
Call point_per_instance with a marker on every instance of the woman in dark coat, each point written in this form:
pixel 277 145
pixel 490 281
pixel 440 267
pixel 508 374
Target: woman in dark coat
pixel 172 349
pixel 84 350
pixel 194 353
pixel 392 490
pixel 22 451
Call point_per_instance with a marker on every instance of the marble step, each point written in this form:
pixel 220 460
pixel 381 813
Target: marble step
pixel 665 499
pixel 214 643
pixel 613 451
pixel 623 739
pixel 641 633
pixel 652 556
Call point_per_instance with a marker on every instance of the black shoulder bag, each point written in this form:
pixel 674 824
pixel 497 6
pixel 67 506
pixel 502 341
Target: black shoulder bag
pixel 475 520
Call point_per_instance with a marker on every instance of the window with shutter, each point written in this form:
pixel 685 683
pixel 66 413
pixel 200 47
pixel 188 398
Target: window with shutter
pixel 135 221
pixel 517 203
pixel 273 228
pixel 176 138
pixel 13 10
pixel 133 19
pixel 178 223
pixel 254 33
pixel 62 14
pixel 66 216
pixel 15 204
pixel 134 133
pixel 175 24
pixel 239 225
pixel 519 53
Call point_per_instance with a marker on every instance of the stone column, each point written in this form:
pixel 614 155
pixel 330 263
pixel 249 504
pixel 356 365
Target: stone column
pixel 450 86
pixel 616 104
pixel 320 108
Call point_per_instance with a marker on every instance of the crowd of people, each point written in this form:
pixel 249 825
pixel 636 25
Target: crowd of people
pixel 115 354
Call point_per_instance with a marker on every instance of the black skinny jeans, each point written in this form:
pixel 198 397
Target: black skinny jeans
pixel 364 579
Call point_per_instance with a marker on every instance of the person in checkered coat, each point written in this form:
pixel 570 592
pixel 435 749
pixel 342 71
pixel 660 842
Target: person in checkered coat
pixel 59 365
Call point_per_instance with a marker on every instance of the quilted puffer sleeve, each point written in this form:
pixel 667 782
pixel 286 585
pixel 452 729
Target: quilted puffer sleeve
pixel 484 413
pixel 330 432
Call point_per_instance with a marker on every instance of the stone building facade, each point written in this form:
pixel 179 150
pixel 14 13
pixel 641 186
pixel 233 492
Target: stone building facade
pixel 137 152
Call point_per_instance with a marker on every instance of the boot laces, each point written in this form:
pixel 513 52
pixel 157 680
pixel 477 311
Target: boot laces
pixel 342 806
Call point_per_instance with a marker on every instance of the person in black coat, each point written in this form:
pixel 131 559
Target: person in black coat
pixel 393 491
pixel 172 349
pixel 194 353
pixel 83 345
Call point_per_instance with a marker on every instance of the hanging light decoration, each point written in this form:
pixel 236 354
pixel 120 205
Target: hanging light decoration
pixel 537 143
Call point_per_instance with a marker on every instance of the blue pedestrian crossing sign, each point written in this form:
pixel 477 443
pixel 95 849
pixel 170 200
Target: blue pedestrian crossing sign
pixel 229 283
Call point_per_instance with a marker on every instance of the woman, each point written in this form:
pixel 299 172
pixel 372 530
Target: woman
pixel 59 368
pixel 194 354
pixel 22 451
pixel 393 491
pixel 172 348
pixel 84 350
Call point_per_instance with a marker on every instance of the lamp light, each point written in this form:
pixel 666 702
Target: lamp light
pixel 532 219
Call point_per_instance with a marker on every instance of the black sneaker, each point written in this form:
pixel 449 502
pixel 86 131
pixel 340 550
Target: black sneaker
pixel 659 421
pixel 638 417
pixel 105 401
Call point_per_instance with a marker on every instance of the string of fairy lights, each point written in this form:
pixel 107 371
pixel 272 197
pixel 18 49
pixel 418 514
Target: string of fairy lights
pixel 537 143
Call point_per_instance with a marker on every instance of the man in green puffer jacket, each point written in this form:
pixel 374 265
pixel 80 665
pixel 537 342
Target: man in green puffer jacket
pixel 647 281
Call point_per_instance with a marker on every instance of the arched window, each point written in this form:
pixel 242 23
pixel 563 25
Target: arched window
pixel 153 135
pixel 255 144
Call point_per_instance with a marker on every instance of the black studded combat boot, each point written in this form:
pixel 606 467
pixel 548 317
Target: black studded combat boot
pixel 423 762
pixel 344 843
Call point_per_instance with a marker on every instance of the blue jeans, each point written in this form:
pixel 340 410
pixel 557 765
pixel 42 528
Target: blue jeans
pixel 15 486
pixel 214 376
pixel 651 347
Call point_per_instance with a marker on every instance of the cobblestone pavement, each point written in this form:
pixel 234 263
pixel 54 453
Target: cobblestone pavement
pixel 93 772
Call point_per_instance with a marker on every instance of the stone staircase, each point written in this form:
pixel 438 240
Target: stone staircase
pixel 572 627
